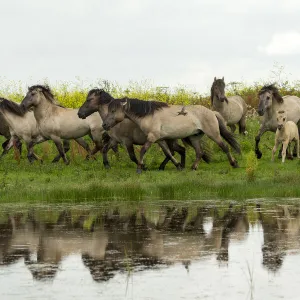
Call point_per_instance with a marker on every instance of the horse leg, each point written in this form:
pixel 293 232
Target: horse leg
pixel 108 145
pixel 97 139
pixel 297 141
pixel 131 153
pixel 232 128
pixel 199 152
pixel 225 149
pixel 66 145
pixel 8 145
pixel 242 125
pixel 144 149
pixel 163 144
pixel 285 145
pixel 262 130
pixel 85 146
pixel 277 143
pixel 60 148
pixel 179 149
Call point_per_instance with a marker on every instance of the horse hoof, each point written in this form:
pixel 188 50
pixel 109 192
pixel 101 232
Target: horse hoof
pixel 179 167
pixel 67 162
pixel 194 168
pixel 107 167
pixel 235 165
pixel 139 171
pixel 258 154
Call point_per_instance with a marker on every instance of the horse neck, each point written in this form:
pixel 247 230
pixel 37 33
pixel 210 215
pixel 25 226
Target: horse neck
pixel 271 112
pixel 103 111
pixel 43 110
pixel 218 105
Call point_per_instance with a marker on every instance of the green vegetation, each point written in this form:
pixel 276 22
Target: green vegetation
pixel 86 181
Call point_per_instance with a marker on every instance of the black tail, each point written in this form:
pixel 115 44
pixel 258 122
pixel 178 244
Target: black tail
pixel 207 154
pixel 228 136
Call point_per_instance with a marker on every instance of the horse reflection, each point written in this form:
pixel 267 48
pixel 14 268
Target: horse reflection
pixel 281 229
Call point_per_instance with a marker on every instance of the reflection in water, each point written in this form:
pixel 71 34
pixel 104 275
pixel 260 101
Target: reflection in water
pixel 116 241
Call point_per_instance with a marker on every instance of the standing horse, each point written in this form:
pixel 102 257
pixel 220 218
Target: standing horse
pixel 233 109
pixel 126 132
pixel 56 122
pixel 22 125
pixel 270 101
pixel 159 121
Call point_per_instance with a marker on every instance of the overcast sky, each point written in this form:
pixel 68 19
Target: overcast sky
pixel 169 42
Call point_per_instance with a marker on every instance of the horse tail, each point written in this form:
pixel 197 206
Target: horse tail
pixel 227 135
pixel 207 153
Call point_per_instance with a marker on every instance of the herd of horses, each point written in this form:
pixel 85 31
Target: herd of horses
pixel 130 122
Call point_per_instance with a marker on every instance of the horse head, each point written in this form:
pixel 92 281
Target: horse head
pixel 116 113
pixel 266 96
pixel 95 101
pixel 281 119
pixel 218 90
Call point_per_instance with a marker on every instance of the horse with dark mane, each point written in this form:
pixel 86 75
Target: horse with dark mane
pixel 160 121
pixel 233 109
pixel 270 101
pixel 56 122
pixel 128 132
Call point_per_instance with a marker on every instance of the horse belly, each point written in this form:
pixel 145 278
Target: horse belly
pixel 177 131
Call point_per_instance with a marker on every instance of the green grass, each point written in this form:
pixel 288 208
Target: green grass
pixel 86 181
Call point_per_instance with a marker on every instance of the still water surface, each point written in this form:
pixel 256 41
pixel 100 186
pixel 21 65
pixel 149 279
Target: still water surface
pixel 195 250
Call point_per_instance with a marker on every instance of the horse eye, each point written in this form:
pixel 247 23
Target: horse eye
pixel 283 119
pixel 268 97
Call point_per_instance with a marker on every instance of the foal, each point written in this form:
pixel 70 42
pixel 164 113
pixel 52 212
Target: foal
pixel 287 131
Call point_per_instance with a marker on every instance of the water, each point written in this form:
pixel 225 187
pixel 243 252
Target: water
pixel 196 250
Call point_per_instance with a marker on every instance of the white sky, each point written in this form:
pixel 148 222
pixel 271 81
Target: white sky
pixel 169 42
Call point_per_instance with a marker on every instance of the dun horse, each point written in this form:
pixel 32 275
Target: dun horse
pixel 126 132
pixel 233 109
pixel 159 122
pixel 287 131
pixel 4 131
pixel 22 125
pixel 270 101
pixel 56 122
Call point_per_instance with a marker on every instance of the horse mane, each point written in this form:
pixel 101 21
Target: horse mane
pixel 47 93
pixel 12 107
pixel 217 81
pixel 271 88
pixel 105 98
pixel 139 108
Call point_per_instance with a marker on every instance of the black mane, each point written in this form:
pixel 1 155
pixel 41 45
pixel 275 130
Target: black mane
pixel 12 107
pixel 105 98
pixel 139 108
pixel 271 88
pixel 47 93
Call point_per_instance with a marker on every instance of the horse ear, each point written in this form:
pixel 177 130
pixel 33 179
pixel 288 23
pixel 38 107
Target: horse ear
pixel 223 78
pixel 215 79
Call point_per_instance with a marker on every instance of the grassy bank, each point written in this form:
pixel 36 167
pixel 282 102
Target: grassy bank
pixel 89 181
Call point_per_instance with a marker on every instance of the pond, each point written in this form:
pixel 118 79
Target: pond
pixel 159 250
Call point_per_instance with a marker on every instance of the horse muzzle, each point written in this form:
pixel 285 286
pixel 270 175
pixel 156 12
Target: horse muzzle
pixel 280 127
pixel 81 115
pixel 106 126
pixel 260 112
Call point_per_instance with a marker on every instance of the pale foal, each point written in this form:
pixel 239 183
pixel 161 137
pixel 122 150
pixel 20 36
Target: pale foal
pixel 287 131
